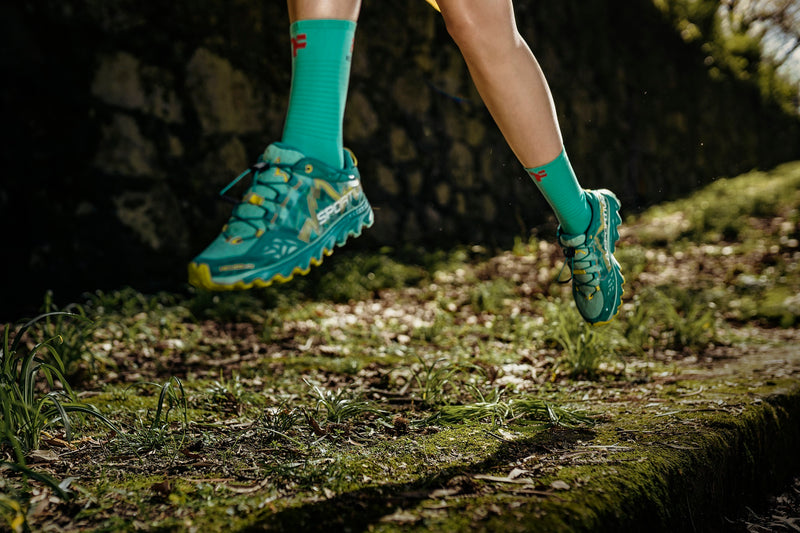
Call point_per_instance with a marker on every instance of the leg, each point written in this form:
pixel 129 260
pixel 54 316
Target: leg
pixel 515 91
pixel 512 85
pixel 507 76
pixel 322 33
pixel 323 9
pixel 305 196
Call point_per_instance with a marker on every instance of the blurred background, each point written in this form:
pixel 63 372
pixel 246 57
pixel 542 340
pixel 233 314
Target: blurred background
pixel 123 119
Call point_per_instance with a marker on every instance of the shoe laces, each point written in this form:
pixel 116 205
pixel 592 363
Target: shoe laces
pixel 267 194
pixel 584 265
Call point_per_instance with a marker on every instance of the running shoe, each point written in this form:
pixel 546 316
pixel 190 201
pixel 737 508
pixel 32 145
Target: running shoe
pixel 595 274
pixel 296 210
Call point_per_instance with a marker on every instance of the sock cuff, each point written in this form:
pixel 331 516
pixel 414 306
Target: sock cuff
pixel 560 158
pixel 301 26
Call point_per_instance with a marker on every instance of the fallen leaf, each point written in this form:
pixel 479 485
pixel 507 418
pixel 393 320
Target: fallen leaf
pixel 514 474
pixel 43 456
pixel 401 517
pixel 499 479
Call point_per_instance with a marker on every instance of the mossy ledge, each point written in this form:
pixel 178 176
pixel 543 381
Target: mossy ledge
pixel 737 458
pixel 687 477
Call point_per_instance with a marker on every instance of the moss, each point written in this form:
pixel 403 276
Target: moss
pixel 687 480
pixel 682 459
pixel 674 445
pixel 721 210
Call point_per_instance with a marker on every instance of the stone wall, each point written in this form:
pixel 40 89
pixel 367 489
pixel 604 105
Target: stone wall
pixel 123 119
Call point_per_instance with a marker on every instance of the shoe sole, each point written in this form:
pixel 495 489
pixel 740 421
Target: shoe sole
pixel 615 219
pixel 200 274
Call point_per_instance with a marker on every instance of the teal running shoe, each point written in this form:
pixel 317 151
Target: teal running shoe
pixel 597 282
pixel 294 213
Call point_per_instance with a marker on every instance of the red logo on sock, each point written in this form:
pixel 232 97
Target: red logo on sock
pixel 539 175
pixel 298 43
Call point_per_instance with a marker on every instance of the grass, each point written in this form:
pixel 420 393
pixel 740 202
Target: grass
pixel 723 210
pixel 584 348
pixel 374 379
pixel 493 408
pixel 279 421
pixel 74 331
pixel 436 379
pixel 36 396
pixel 339 406
pixel 12 512
pixel 161 433
pixel 34 392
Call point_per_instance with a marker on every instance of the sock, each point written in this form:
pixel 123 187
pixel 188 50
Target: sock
pixel 321 55
pixel 560 188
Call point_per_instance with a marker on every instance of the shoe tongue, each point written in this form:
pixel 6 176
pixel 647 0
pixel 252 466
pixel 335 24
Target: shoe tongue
pixel 274 153
pixel 280 153
pixel 572 241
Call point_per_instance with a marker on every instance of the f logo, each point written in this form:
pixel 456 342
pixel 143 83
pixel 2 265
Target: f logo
pixel 298 42
pixel 539 175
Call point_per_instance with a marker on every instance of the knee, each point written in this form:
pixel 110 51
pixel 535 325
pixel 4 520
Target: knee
pixel 479 29
pixel 460 24
pixel 465 27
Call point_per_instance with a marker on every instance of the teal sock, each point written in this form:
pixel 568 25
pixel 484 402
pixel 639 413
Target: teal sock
pixel 560 188
pixel 321 56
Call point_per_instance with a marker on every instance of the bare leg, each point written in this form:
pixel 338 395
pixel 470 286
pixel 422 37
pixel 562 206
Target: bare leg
pixel 507 76
pixel 323 9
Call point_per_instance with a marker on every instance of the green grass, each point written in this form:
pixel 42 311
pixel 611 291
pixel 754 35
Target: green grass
pixel 584 348
pixel 34 392
pixel 74 330
pixel 493 408
pixel 722 211
pixel 162 433
pixel 340 406
pixel 374 376
pixel 751 226
pixel 437 380
pixel 11 512
pixel 35 396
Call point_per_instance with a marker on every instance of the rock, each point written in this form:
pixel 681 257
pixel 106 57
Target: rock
pixel 224 98
pixel 121 79
pixel 401 146
pixel 124 150
pixel 386 180
pixel 361 121
pixel 153 216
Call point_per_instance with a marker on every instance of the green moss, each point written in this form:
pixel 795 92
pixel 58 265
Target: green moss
pixel 668 479
pixel 262 451
pixel 721 210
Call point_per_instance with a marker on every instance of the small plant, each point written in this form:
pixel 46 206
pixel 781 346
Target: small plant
pixel 696 327
pixel 25 375
pixel 341 405
pixel 584 347
pixel 493 408
pixel 433 332
pixel 357 277
pixel 675 319
pixel 433 379
pixel 490 296
pixel 159 433
pixel 227 394
pixel 490 407
pixel 535 410
pixel 278 422
pixel 74 329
